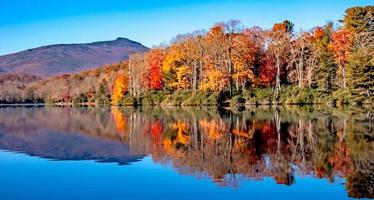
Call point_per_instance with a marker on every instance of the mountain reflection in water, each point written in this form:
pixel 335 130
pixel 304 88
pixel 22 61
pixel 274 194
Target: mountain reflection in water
pixel 206 142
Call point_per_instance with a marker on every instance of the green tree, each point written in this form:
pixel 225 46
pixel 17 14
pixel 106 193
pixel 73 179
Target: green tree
pixel 325 75
pixel 359 19
pixel 360 73
pixel 102 95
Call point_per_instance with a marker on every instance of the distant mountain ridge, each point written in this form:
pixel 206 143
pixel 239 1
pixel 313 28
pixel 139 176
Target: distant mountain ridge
pixel 68 58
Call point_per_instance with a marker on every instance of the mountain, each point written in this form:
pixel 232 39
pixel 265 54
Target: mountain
pixel 68 58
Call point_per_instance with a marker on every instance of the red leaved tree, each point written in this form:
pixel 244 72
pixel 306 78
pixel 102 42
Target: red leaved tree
pixel 152 78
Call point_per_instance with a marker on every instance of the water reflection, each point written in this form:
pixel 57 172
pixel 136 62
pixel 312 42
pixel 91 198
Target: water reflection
pixel 225 146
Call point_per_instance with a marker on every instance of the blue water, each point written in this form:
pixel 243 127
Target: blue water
pixel 28 177
pixel 178 153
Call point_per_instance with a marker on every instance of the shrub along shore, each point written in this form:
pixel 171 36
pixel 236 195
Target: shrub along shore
pixel 291 95
pixel 264 96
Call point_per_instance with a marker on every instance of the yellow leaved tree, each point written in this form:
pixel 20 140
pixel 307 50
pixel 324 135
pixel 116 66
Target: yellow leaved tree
pixel 119 88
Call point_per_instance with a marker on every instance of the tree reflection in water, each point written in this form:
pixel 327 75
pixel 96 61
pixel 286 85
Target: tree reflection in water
pixel 226 146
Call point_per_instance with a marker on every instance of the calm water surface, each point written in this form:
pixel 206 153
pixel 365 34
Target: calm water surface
pixel 186 153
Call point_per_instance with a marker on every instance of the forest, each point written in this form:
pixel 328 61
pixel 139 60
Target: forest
pixel 229 64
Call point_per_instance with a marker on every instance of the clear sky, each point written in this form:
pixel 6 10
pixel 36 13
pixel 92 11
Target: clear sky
pixel 27 24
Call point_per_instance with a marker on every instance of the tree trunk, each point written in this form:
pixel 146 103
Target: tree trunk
pixel 194 77
pixel 309 78
pixel 237 82
pixel 277 78
pixel 300 71
pixel 201 66
pixel 344 80
pixel 230 76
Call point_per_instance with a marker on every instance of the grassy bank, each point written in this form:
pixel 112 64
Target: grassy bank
pixel 263 96
pixel 258 96
pixel 179 98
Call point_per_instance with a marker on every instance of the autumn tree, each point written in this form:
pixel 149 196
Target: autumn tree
pixel 152 77
pixel 176 67
pixel 341 46
pixel 223 43
pixel 278 46
pixel 215 77
pixel 195 49
pixel 303 60
pixel 243 58
pixel 312 61
pixel 192 49
pixel 135 70
pixel 298 53
pixel 214 80
pixel 231 31
pixel 267 71
pixel 119 88
pixel 256 39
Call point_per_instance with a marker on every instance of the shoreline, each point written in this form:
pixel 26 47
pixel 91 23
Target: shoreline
pixel 225 105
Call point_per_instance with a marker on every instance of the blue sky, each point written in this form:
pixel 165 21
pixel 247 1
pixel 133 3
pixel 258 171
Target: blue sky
pixel 27 24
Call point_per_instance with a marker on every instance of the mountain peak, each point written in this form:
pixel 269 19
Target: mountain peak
pixel 122 38
pixel 69 58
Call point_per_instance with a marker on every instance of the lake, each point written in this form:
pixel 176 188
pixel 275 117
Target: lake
pixel 186 153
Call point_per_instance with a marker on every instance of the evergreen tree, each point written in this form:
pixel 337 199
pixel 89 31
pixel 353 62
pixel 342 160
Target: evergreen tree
pixel 102 95
pixel 325 75
pixel 360 70
pixel 360 73
pixel 359 19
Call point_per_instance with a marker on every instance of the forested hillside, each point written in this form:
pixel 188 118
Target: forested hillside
pixel 233 64
pixel 87 86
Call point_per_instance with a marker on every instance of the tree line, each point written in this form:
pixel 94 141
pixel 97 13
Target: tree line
pixel 234 58
pixel 231 63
